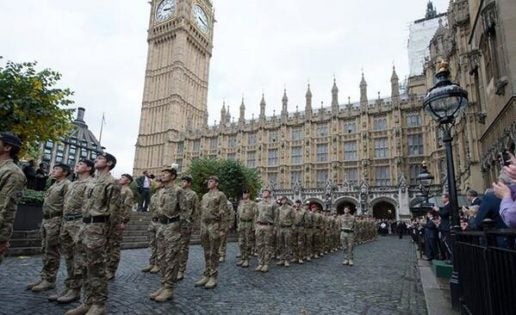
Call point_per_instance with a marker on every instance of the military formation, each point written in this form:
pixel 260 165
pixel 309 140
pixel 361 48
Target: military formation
pixel 84 221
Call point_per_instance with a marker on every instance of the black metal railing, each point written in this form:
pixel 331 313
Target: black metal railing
pixel 486 263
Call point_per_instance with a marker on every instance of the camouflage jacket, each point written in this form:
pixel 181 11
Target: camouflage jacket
pixel 101 197
pixel 347 222
pixel 153 204
pixel 285 216
pixel 266 212
pixel 55 197
pixel 12 181
pixel 191 211
pixel 318 220
pixel 74 197
pixel 214 207
pixel 230 217
pixel 171 201
pixel 247 210
pixel 309 219
pixel 127 201
pixel 300 217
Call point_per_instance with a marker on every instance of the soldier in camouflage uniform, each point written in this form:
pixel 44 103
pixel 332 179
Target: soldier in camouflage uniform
pixel 69 234
pixel 264 230
pixel 309 232
pixel 285 216
pixel 317 234
pixel 230 221
pixel 171 207
pixel 298 235
pixel 213 217
pixel 188 221
pixel 12 182
pixel 152 231
pixel 246 216
pixel 101 200
pixel 347 227
pixel 50 227
pixel 118 223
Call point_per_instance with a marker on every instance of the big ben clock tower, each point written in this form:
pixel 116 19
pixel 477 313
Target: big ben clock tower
pixel 176 79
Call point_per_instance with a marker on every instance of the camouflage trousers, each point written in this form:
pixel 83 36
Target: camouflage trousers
pixel 69 238
pixel 284 237
pixel 211 233
pixel 245 239
pixel 94 239
pixel 113 245
pixel 184 248
pixel 169 242
pixel 347 240
pixel 317 247
pixel 309 238
pixel 298 243
pixel 264 238
pixel 223 241
pixel 50 229
pixel 152 232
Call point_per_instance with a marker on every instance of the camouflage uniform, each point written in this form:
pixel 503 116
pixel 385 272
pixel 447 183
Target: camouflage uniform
pixel 170 207
pixel 246 220
pixel 298 235
pixel 284 221
pixel 317 237
pixel 309 234
pixel 230 221
pixel 69 234
pixel 213 217
pixel 101 200
pixel 188 221
pixel 347 226
pixel 50 228
pixel 116 232
pixel 264 231
pixel 12 181
pixel 152 230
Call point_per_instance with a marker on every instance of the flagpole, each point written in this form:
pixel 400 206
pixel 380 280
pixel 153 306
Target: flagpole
pixel 101 127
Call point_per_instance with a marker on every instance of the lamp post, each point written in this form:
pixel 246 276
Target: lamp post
pixel 425 181
pixel 445 101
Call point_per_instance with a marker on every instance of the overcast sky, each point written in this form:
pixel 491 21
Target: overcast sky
pixel 100 48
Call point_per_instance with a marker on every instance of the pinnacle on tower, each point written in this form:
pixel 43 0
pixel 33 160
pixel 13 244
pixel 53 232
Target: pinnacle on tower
pixel 363 90
pixel 284 102
pixel 241 119
pixel 395 85
pixel 334 94
pixel 223 113
pixel 262 107
pixel 308 105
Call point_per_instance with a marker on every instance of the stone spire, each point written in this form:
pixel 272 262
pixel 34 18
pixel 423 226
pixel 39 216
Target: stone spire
pixel 363 91
pixel 241 119
pixel 308 96
pixel 430 11
pixel 223 114
pixel 335 96
pixel 228 116
pixel 395 84
pixel 262 107
pixel 284 104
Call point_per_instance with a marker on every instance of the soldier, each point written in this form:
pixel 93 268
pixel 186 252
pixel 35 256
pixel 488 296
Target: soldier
pixel 101 200
pixel 188 221
pixel 230 221
pixel 69 234
pixel 12 181
pixel 298 236
pixel 317 235
pixel 246 214
pixel 118 223
pixel 50 227
pixel 347 226
pixel 285 222
pixel 213 216
pixel 152 231
pixel 309 232
pixel 264 230
pixel 171 207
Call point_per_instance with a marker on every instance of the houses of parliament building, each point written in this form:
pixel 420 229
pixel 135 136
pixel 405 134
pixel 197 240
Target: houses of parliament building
pixel 365 154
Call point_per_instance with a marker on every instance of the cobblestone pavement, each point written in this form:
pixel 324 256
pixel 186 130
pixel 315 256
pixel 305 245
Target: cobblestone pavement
pixel 384 280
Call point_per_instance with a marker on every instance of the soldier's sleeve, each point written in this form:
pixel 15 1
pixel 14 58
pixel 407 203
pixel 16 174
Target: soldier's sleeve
pixel 196 206
pixel 10 195
pixel 127 206
pixel 185 210
pixel 114 203
pixel 255 213
pixel 223 207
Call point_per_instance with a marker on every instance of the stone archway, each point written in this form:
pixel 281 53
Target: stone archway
pixel 384 208
pixel 346 202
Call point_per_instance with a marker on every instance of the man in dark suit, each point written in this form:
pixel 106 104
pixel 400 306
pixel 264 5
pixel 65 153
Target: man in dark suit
pixel 444 227
pixel 430 235
pixel 143 184
pixel 473 197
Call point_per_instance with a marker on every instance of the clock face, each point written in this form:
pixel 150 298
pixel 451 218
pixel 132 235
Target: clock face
pixel 200 18
pixel 165 10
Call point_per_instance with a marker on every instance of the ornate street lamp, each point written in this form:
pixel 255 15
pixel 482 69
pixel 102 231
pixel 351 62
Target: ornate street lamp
pixel 445 102
pixel 425 181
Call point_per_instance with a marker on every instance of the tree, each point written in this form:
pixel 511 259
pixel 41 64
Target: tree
pixel 233 177
pixel 31 106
